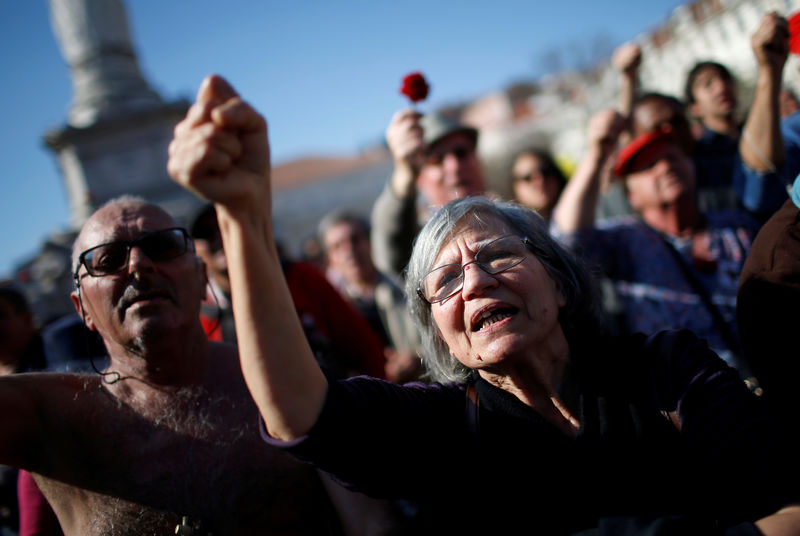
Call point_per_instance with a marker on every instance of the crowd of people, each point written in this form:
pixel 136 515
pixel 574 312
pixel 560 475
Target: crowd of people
pixel 605 353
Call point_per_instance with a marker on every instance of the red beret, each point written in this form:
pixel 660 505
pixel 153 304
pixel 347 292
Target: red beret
pixel 640 145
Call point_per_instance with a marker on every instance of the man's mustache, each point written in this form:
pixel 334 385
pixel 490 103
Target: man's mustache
pixel 142 289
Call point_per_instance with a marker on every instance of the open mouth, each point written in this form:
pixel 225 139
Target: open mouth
pixel 492 316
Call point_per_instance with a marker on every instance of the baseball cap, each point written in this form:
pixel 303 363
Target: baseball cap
pixel 641 146
pixel 436 126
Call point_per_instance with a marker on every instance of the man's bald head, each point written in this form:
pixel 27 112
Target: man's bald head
pixel 137 278
pixel 125 208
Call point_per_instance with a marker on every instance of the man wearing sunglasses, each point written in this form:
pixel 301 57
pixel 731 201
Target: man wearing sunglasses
pixel 164 440
pixel 435 161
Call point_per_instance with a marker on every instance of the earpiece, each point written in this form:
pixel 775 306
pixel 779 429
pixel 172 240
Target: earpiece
pixel 106 377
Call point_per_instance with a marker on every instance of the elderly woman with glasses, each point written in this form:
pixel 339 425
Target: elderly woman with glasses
pixel 535 421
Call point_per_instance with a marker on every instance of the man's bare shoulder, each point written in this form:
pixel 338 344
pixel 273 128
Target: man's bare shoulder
pixel 66 379
pixel 51 388
pixel 47 408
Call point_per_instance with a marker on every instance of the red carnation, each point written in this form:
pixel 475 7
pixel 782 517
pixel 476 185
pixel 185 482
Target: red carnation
pixel 794 33
pixel 415 87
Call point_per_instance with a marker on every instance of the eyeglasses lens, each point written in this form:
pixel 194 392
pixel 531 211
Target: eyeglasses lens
pixel 159 246
pixel 106 259
pixel 164 245
pixel 495 257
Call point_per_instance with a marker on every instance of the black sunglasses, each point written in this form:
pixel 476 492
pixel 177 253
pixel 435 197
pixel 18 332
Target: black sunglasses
pixel 112 257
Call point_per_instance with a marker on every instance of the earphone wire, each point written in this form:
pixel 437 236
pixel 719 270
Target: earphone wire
pixel 103 375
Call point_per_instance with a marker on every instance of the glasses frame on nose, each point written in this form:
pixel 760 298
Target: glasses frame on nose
pixel 500 265
pixel 145 242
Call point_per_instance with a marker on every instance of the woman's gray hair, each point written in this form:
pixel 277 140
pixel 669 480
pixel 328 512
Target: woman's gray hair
pixel 581 314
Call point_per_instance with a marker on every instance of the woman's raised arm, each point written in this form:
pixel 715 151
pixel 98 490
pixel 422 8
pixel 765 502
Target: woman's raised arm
pixel 221 153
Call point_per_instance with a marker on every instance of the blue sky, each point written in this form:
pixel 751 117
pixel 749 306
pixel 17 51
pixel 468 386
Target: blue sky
pixel 324 73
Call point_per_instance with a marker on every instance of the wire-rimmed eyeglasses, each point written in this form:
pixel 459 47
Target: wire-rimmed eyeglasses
pixel 493 257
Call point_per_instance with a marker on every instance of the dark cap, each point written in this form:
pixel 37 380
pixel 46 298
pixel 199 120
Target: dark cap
pixel 436 126
pixel 640 146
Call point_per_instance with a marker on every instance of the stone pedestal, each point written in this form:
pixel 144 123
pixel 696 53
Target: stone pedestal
pixel 124 155
pixel 118 129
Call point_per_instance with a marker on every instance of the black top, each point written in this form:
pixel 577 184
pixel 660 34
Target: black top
pixel 504 469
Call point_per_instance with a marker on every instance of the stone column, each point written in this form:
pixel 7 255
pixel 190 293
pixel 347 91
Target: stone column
pixel 118 129
pixel 94 38
pixel 114 140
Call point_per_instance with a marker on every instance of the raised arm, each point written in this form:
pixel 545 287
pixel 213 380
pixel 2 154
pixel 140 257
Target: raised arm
pixel 221 153
pixel 576 207
pixel 394 214
pixel 761 144
pixel 405 141
pixel 784 522
pixel 626 60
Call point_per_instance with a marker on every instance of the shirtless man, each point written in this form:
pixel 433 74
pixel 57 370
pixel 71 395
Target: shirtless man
pixel 166 440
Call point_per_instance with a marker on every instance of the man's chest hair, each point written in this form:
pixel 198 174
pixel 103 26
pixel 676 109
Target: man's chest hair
pixel 173 457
